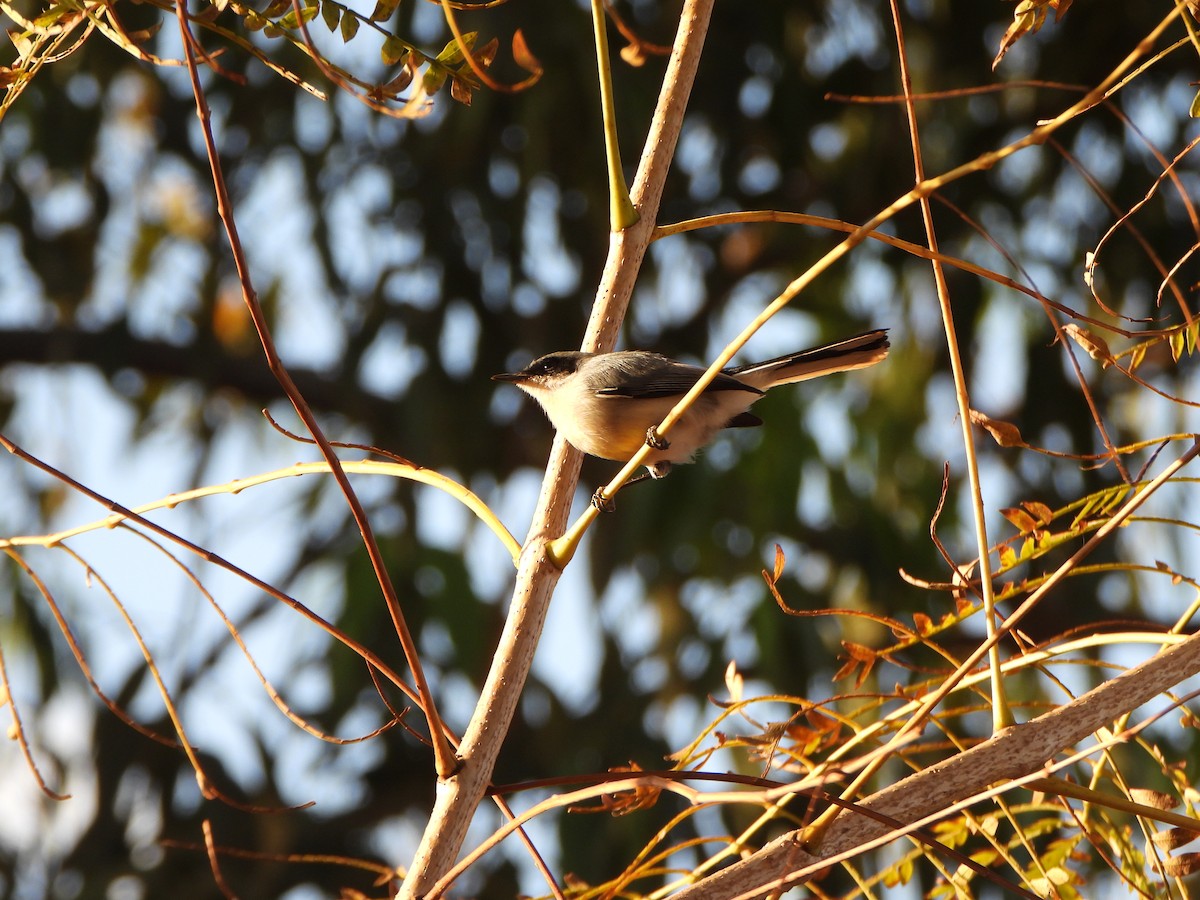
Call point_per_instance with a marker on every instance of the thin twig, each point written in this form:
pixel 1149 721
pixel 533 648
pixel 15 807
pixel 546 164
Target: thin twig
pixel 443 755
pixel 368 656
pixel 1001 714
pixel 210 847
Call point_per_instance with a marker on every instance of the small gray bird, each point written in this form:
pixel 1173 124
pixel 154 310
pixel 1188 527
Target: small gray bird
pixel 608 404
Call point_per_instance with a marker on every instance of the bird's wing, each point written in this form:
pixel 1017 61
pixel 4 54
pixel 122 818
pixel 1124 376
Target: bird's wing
pixel 672 379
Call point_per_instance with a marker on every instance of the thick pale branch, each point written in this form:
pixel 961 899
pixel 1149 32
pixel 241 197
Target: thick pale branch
pixel 1019 751
pixel 460 795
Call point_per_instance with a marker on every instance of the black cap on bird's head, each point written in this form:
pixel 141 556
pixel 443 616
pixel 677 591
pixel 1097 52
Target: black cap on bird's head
pixel 546 368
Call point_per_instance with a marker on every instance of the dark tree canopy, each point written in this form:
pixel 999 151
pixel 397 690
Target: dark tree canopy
pixel 401 262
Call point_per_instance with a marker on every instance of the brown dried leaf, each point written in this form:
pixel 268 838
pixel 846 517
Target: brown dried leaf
pixel 1181 866
pixel 1040 511
pixel 1173 837
pixel 1024 522
pixel 1157 799
pixel 780 561
pixel 487 53
pixel 460 91
pixel 1094 345
pixel 1028 17
pixel 399 83
pixel 923 623
pixel 633 55
pixel 522 56
pixel 858 655
pixel 1004 433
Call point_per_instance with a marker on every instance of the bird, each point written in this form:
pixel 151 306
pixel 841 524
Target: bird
pixel 609 404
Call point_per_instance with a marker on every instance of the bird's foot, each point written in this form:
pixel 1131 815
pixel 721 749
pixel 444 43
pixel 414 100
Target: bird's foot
pixel 602 503
pixel 655 440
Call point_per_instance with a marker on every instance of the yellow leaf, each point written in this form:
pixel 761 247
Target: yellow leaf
pixel 1136 357
pixel 1008 557
pixel 1177 343
pixel 734 682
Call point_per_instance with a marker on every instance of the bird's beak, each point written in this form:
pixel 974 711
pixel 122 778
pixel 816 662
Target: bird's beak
pixel 514 377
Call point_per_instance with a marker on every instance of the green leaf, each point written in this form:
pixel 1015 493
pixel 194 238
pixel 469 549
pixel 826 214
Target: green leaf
pixel 330 14
pixel 433 81
pixel 393 50
pixel 1194 111
pixel 307 14
pixel 52 16
pixel 349 26
pixel 452 53
pixel 383 10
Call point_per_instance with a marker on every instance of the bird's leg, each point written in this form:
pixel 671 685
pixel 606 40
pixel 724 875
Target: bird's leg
pixel 607 504
pixel 655 440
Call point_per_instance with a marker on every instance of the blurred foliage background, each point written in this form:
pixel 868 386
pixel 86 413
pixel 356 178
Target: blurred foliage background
pixel 402 263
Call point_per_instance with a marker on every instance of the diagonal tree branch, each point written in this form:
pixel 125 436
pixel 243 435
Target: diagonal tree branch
pixel 1013 753
pixel 460 795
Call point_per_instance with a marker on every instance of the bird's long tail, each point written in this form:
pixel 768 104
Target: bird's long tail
pixel 856 352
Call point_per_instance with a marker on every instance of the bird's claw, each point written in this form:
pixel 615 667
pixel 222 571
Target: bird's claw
pixel 655 440
pixel 602 503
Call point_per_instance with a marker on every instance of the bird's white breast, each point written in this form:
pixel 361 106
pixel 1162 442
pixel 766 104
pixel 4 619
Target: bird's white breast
pixel 614 427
